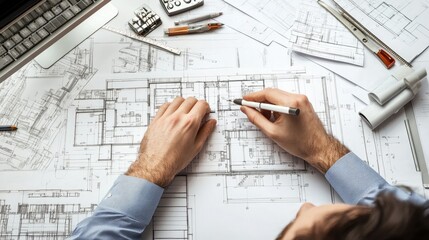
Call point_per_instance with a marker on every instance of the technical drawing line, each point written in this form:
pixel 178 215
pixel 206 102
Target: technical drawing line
pixel 143 39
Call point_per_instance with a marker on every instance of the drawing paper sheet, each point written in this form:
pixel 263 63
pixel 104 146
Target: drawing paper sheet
pixel 80 124
pixel 402 25
pixel 317 33
pixel 371 75
pixel 278 15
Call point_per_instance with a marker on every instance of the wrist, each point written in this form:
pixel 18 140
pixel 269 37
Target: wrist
pixel 329 152
pixel 154 174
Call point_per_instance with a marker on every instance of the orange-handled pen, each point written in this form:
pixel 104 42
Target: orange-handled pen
pixel 192 29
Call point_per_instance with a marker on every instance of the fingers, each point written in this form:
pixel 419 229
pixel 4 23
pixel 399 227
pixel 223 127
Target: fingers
pixel 174 105
pixel 187 105
pixel 161 110
pixel 204 132
pixel 266 113
pixel 273 95
pixel 258 119
pixel 200 109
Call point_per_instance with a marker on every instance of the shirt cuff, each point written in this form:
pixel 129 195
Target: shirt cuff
pixel 352 178
pixel 133 197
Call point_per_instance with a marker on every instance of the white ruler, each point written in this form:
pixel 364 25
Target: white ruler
pixel 143 39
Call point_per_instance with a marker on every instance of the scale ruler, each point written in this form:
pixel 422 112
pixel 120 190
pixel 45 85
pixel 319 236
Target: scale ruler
pixel 143 39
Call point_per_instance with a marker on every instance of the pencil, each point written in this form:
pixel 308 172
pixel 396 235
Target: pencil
pixel 8 128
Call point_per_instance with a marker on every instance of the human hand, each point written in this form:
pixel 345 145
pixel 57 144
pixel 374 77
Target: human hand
pixel 173 139
pixel 303 136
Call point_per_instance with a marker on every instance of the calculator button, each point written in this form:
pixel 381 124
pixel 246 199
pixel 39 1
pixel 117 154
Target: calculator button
pixel 170 6
pixel 187 1
pixel 177 3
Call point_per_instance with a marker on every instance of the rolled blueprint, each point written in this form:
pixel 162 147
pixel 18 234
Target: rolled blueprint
pixel 374 114
pixel 387 90
pixel 394 84
pixel 414 80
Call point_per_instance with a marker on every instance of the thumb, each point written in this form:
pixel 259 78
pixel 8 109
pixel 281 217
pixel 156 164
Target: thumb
pixel 204 132
pixel 258 119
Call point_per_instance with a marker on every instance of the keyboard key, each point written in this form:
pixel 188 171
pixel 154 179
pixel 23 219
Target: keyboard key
pixel 82 5
pixel 7 34
pixel 73 2
pixel 68 14
pixel 5 61
pixel 57 10
pixel 28 44
pixel 54 2
pixel 64 5
pixel 75 9
pixel 61 19
pixel 33 27
pixel 15 54
pixel 14 28
pixel 24 32
pixel 35 38
pixel 48 15
pixel 88 2
pixel 27 19
pixel 50 27
pixel 2 39
pixel 56 23
pixel 39 11
pixel 45 6
pixel 9 44
pixel 21 24
pixel 34 14
pixel 2 50
pixel 43 33
pixel 17 38
pixel 40 21
pixel 20 49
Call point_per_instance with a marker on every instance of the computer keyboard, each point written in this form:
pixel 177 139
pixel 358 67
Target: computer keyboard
pixel 35 26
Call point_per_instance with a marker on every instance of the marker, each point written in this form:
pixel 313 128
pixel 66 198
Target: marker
pixel 8 128
pixel 267 106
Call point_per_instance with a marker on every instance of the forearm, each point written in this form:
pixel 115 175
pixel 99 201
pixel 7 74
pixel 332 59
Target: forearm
pixel 358 183
pixel 124 213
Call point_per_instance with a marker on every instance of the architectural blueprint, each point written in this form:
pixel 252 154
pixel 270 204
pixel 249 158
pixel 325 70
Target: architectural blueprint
pixel 80 124
pixel 276 15
pixel 402 25
pixel 317 33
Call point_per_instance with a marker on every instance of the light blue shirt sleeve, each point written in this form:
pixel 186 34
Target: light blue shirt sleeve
pixel 124 212
pixel 358 183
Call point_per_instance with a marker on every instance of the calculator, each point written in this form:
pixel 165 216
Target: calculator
pixel 173 7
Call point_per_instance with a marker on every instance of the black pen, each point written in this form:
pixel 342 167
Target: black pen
pixel 8 128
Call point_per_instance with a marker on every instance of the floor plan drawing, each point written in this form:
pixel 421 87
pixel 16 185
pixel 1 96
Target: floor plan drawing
pixel 38 118
pixel 401 25
pixel 80 126
pixel 318 33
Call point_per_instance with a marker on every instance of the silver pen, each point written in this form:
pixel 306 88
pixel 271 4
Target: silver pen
pixel 198 19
